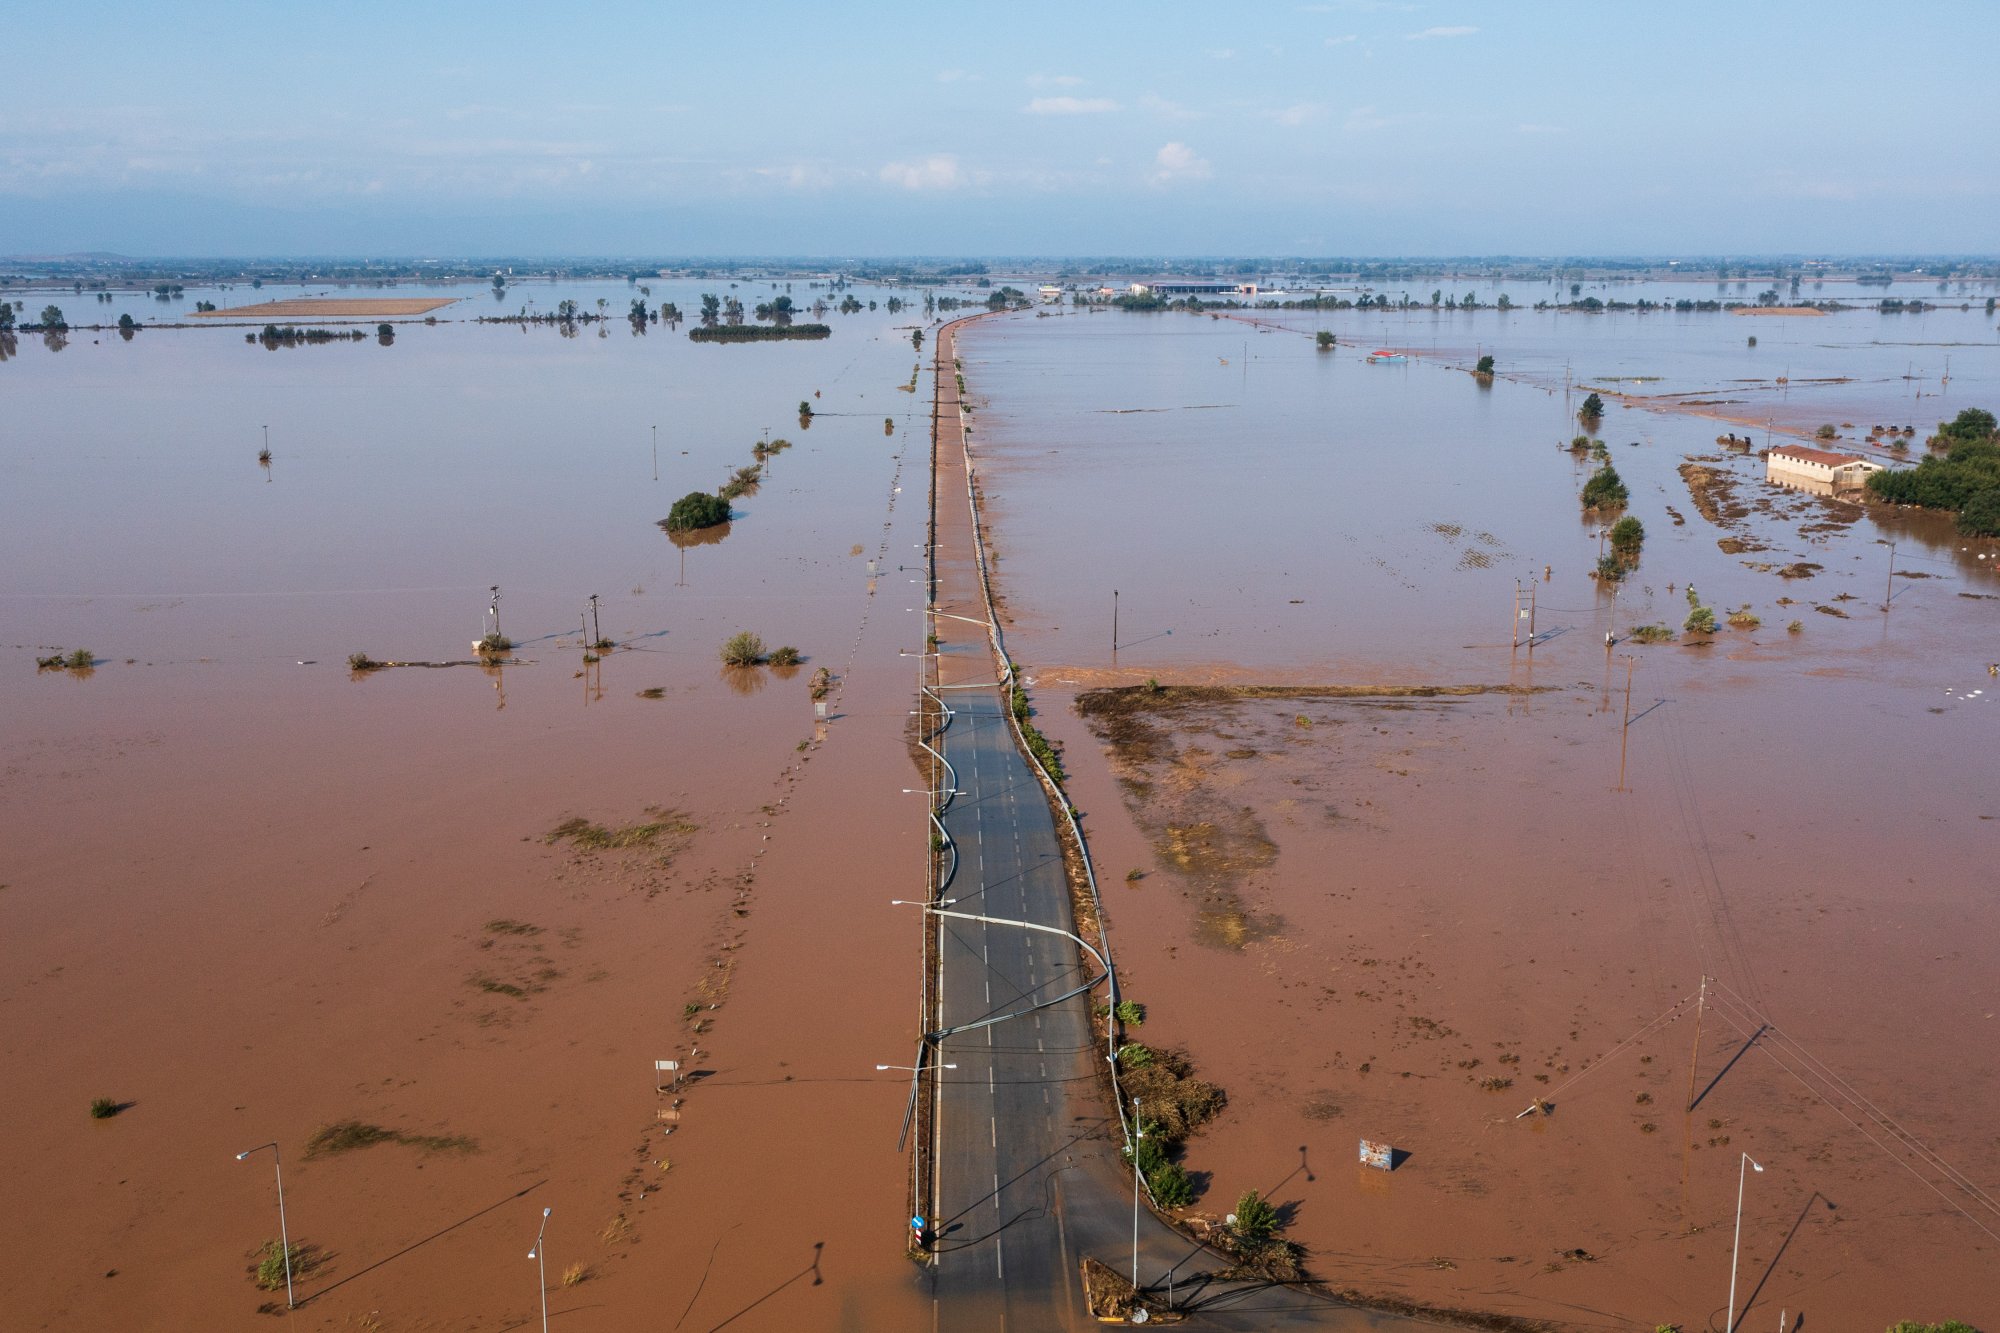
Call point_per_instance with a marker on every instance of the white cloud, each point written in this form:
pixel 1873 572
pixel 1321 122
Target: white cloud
pixel 1222 53
pixel 955 76
pixel 1178 162
pixel 1054 81
pixel 1539 129
pixel 1430 33
pixel 1297 114
pixel 1343 40
pixel 939 171
pixel 1069 106
pixel 1165 109
pixel 1366 120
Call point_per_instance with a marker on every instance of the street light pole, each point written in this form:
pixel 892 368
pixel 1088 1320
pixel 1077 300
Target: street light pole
pixel 284 1235
pixel 1729 1325
pixel 541 1268
pixel 1138 1133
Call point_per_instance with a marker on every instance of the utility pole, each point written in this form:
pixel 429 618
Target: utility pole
pixel 597 630
pixel 494 609
pixel 1531 615
pixel 1700 1006
pixel 656 453
pixel 1625 731
pixel 1114 622
pixel 1889 593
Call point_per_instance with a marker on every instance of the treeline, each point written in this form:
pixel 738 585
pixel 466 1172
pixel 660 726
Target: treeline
pixel 1966 480
pixel 751 333
pixel 289 335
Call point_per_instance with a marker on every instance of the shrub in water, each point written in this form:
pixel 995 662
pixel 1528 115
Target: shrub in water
pixel 742 649
pixel 697 509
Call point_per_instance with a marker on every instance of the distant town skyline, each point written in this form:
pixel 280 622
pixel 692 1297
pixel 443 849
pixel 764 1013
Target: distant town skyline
pixel 1347 127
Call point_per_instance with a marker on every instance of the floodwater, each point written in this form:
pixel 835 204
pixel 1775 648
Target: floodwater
pixel 1355 912
pixel 248 894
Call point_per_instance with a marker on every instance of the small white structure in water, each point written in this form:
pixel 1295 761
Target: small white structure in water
pixel 1790 464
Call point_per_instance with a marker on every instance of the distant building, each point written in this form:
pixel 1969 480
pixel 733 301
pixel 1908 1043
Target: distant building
pixel 1050 292
pixel 1790 464
pixel 1193 287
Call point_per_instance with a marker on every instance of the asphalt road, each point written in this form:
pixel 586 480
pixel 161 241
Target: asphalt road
pixel 1029 1177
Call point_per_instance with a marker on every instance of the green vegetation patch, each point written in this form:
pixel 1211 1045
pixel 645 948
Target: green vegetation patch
pixel 758 333
pixel 1965 481
pixel 696 509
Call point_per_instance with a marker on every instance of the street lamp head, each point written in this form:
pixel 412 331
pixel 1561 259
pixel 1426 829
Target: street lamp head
pixel 1755 1165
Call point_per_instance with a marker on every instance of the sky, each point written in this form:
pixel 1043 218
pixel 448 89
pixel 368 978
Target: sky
pixel 1083 128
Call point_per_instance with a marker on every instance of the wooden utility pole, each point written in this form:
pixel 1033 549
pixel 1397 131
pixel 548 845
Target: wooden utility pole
pixel 597 630
pixel 1889 594
pixel 1625 731
pixel 1700 1005
pixel 494 608
pixel 1114 622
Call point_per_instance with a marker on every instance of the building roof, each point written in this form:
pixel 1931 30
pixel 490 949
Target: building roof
pixel 1820 456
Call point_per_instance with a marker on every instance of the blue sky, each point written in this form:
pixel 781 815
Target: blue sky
pixel 1091 127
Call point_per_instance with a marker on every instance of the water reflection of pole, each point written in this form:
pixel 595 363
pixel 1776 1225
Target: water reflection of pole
pixel 1625 730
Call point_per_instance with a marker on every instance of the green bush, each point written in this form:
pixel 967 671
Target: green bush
pixel 1133 1055
pixel 742 649
pixel 1605 490
pixel 1651 633
pixel 1593 407
pixel 1171 1186
pixel 1701 620
pixel 1628 534
pixel 1485 366
pixel 697 509
pixel 786 656
pixel 103 1108
pixel 1323 340
pixel 1256 1219
pixel 1948 1326
pixel 1131 1012
pixel 80 660
pixel 1152 1151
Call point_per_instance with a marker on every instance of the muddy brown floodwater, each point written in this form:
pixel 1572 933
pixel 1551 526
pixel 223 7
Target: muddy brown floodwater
pixel 1409 918
pixel 249 895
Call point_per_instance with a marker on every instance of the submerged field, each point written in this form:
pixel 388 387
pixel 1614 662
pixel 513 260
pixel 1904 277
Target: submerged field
pixel 1375 908
pixel 431 927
